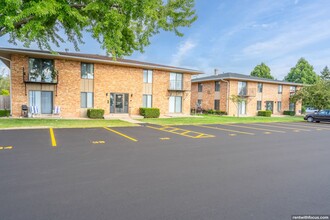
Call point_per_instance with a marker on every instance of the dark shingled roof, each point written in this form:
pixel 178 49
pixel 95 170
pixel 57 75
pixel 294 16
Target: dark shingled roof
pixel 238 76
pixel 99 58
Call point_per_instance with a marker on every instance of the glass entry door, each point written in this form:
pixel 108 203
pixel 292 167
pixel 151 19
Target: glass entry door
pixel 269 106
pixel 118 103
pixel 41 101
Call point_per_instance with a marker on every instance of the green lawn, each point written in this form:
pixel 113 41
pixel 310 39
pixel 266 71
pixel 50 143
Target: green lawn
pixel 213 119
pixel 61 123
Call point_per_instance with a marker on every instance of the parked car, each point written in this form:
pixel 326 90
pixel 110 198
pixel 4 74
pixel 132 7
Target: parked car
pixel 310 110
pixel 323 115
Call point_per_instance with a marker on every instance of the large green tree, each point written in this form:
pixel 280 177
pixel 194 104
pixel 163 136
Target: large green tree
pixel 303 72
pixel 4 83
pixel 316 95
pixel 263 71
pixel 325 73
pixel 120 26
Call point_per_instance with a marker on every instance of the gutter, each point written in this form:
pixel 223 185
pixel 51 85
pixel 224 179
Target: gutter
pixel 251 80
pixel 10 89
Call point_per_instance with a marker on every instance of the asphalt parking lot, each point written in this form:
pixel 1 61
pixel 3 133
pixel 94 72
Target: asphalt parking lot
pixel 237 171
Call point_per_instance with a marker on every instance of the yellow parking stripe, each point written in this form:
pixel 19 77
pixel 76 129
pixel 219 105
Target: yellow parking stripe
pixel 223 129
pixel 52 137
pixel 182 132
pixel 260 129
pixel 283 127
pixel 307 126
pixel 121 134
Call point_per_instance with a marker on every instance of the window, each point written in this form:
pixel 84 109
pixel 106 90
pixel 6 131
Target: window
pixel 258 105
pixel 242 88
pixel 86 100
pixel 260 86
pixel 175 104
pixel 199 103
pixel 147 76
pixel 87 71
pixel 176 81
pixel 292 89
pixel 41 102
pixel 147 101
pixel 280 89
pixel 217 86
pixel 292 107
pixel 200 87
pixel 41 70
pixel 279 106
pixel 217 104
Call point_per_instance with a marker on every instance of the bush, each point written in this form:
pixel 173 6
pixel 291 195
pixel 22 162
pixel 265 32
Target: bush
pixel 150 112
pixel 266 113
pixel 95 113
pixel 218 112
pixel 210 111
pixel 4 113
pixel 291 113
pixel 303 110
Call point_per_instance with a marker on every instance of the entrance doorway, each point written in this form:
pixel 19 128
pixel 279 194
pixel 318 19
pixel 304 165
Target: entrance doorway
pixel 118 103
pixel 269 106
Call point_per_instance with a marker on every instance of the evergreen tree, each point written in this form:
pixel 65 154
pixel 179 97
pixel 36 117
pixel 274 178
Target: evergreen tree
pixel 325 73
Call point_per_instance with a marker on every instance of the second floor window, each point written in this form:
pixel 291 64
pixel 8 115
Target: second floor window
pixel 293 89
pixel 242 88
pixel 200 87
pixel 280 89
pixel 217 86
pixel 260 87
pixel 147 76
pixel 41 70
pixel 87 71
pixel 176 80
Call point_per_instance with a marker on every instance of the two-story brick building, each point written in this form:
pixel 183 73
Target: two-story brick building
pixel 215 92
pixel 73 82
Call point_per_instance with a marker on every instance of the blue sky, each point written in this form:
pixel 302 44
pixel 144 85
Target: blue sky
pixel 235 36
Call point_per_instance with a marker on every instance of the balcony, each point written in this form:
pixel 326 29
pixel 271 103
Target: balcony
pixel 176 86
pixel 44 77
pixel 245 92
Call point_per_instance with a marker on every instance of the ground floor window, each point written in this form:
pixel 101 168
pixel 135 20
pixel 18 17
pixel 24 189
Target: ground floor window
pixel 279 106
pixel 175 104
pixel 119 103
pixel 86 100
pixel 147 101
pixel 242 108
pixel 216 104
pixel 41 102
pixel 292 106
pixel 258 105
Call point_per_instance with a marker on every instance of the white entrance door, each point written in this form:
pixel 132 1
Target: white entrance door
pixel 175 105
pixel 242 108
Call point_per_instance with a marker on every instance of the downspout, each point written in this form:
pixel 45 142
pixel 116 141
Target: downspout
pixel 227 105
pixel 10 95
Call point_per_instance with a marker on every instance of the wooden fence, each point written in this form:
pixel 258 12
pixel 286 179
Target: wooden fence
pixel 4 102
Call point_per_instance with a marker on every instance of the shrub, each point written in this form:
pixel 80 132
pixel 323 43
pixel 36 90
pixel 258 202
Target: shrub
pixel 303 110
pixel 266 113
pixel 210 111
pixel 291 113
pixel 150 112
pixel 95 113
pixel 217 112
pixel 4 113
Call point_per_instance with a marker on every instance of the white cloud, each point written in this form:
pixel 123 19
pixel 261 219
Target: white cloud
pixel 183 50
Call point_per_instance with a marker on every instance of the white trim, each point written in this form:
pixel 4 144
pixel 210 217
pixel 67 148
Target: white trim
pixel 249 80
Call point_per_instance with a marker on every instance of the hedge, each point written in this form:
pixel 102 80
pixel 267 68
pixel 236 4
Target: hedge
pixel 266 113
pixel 291 113
pixel 95 113
pixel 150 112
pixel 4 113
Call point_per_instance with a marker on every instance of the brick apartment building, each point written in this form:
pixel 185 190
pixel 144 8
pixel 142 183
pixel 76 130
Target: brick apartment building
pixel 214 92
pixel 74 82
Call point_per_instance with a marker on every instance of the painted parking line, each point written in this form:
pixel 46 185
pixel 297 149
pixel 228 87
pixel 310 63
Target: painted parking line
pixel 224 129
pixel 182 132
pixel 6 147
pixel 266 130
pixel 305 127
pixel 282 127
pixel 121 134
pixel 310 126
pixel 52 137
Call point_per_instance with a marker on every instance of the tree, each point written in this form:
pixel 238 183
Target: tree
pixel 262 71
pixel 237 100
pixel 303 72
pixel 317 95
pixel 4 83
pixel 325 73
pixel 120 26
